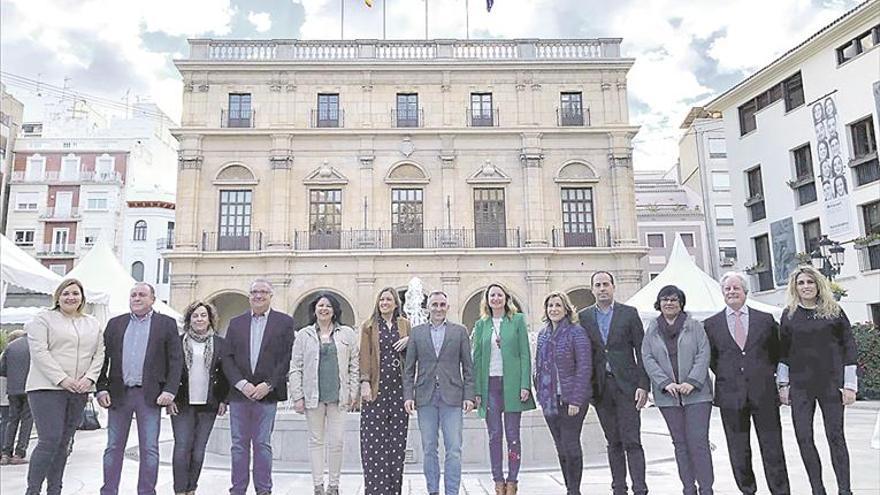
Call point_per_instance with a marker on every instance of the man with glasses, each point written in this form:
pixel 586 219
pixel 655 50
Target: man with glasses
pixel 256 364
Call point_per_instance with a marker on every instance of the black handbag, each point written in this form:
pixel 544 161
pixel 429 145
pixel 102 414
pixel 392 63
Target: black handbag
pixel 89 418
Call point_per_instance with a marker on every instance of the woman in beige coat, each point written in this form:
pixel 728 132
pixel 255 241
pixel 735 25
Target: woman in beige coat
pixel 67 351
pixel 324 376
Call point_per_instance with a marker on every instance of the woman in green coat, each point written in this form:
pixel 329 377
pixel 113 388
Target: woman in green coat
pixel 502 374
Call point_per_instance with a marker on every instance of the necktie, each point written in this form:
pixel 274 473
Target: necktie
pixel 739 331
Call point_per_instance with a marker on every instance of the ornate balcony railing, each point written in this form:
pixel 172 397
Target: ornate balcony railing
pixel 599 237
pixel 413 50
pixel 238 119
pixel 215 241
pixel 56 176
pixel 52 213
pixel 56 249
pixel 423 239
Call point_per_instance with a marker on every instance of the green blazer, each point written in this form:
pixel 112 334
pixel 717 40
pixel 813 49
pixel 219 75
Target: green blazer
pixel 517 362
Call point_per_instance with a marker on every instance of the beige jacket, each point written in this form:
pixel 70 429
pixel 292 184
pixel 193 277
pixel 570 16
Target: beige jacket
pixel 304 366
pixel 63 347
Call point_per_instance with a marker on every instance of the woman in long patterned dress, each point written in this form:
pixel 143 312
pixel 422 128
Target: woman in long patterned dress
pixel 383 419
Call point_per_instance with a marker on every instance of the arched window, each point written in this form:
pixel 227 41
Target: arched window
pixel 140 230
pixel 137 271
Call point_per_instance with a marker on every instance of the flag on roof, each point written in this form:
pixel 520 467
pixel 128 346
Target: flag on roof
pixel 489 4
pixel 369 3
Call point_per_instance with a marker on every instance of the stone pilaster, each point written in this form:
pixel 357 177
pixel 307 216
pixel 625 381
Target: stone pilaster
pixel 280 163
pixel 189 176
pixel 532 160
pixel 609 106
pixel 623 191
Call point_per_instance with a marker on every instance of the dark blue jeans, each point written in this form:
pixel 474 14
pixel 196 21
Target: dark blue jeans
pixel 566 433
pixel 192 427
pixel 502 424
pixel 118 424
pixel 18 423
pixel 251 424
pixel 57 413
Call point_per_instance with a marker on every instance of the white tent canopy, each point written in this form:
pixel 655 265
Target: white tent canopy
pixel 704 297
pixel 22 270
pixel 100 269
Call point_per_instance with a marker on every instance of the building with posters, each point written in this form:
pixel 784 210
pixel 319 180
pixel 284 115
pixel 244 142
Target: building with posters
pixel 802 150
pixel 350 166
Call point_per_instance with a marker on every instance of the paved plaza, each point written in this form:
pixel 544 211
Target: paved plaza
pixel 84 468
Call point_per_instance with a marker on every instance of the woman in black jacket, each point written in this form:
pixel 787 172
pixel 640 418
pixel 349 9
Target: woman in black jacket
pixel 200 398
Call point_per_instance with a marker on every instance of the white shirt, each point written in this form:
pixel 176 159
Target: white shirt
pixel 198 375
pixel 496 363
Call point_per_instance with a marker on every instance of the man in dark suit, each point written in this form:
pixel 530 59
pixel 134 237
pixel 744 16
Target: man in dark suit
pixel 745 353
pixel 258 346
pixel 620 384
pixel 438 381
pixel 141 374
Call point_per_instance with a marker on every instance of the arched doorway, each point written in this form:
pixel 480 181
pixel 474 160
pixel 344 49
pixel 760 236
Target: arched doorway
pixel 581 298
pixel 229 305
pixel 301 315
pixel 471 312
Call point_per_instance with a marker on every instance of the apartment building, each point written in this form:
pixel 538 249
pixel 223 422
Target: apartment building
pixel 11 114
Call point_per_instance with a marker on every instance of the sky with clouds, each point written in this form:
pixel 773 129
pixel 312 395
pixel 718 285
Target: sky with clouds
pixel 686 51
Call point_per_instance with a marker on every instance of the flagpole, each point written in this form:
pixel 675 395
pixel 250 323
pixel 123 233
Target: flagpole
pixel 384 2
pixel 467 20
pixel 426 19
pixel 341 19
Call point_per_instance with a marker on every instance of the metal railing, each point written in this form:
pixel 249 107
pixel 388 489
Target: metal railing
pixel 482 118
pixel 56 249
pixel 56 176
pixel 242 119
pixel 599 237
pixel 407 118
pixel 164 243
pixel 56 214
pixel 318 118
pixel 869 257
pixel 569 118
pixel 214 241
pixel 422 239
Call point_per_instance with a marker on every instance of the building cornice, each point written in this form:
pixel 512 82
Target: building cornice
pixel 388 131
pixel 151 204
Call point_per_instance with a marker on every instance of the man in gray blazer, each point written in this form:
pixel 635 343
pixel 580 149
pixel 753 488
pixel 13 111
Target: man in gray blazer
pixel 438 382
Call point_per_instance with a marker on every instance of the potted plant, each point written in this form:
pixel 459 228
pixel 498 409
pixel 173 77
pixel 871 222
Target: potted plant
pixel 838 290
pixel 804 258
pixel 755 269
pixel 867 241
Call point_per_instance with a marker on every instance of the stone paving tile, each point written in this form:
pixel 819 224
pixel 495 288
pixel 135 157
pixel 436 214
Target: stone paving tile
pixel 84 468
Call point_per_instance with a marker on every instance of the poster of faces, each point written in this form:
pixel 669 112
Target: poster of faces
pixel 832 169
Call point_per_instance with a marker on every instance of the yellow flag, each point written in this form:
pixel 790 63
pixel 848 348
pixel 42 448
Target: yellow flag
pixel 369 3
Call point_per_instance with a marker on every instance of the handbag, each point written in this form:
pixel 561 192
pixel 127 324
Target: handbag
pixel 89 419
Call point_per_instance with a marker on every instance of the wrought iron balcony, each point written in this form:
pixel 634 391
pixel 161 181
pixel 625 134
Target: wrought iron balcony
pixel 49 250
pixel 216 241
pixel 323 118
pixel 241 119
pixel 599 237
pixel 419 239
pixel 566 117
pixel 407 118
pixel 482 118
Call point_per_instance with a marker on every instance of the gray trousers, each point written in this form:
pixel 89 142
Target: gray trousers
pixel 57 414
pixel 689 427
pixel 18 424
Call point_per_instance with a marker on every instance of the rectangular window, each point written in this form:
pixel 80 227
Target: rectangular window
pixel 97 201
pixel 571 109
pixel 240 112
pixel 407 114
pixel 577 217
pixel 804 182
pixel 104 167
pixel 489 218
pixel 35 169
pixel 763 264
pixel 482 114
pixel 717 148
pixel 793 89
pixel 70 168
pixel 235 220
pixel 812 231
pixel 864 146
pixel 24 237
pixel 328 110
pixel 656 240
pixel 166 271
pixel 858 45
pixel 727 252
pixel 687 239
pixel 90 236
pixel 747 121
pixel 871 218
pixel 26 200
pixel 720 181
pixel 723 215
pixel 407 217
pixel 755 201
pixel 59 269
pixel 874 310
pixel 325 218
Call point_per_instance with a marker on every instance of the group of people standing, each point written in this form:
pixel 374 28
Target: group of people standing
pixel 600 355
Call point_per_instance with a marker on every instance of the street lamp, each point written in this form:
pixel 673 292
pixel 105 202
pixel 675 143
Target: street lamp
pixel 828 257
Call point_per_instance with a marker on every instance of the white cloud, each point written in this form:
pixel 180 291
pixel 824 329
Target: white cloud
pixel 261 21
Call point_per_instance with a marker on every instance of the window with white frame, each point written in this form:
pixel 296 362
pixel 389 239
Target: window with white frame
pixel 688 239
pixel 727 251
pixel 24 237
pixel 655 240
pixel 723 215
pixel 90 236
pixel 35 169
pixel 26 200
pixel 717 148
pixel 98 201
pixel 720 181
pixel 59 269
pixel 70 168
pixel 104 165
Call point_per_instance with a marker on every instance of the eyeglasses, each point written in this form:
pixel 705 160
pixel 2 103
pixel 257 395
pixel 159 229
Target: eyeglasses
pixel 260 292
pixel 669 299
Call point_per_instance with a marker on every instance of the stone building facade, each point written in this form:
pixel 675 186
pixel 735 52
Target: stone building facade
pixel 354 165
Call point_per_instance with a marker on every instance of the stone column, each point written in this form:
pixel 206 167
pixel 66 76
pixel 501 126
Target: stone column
pixel 280 161
pixel 367 158
pixel 623 190
pixel 532 160
pixel 189 163
pixel 448 181
pixel 609 112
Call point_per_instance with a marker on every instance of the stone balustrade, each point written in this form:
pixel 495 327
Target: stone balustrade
pixel 404 50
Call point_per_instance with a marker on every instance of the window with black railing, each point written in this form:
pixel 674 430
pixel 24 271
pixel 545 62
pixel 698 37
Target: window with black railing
pixel 328 113
pixel 763 269
pixel 407 218
pixel 755 199
pixel 865 162
pixel 571 109
pixel 240 112
pixel 325 218
pixel 804 181
pixel 481 112
pixel 490 222
pixel 407 113
pixel 577 217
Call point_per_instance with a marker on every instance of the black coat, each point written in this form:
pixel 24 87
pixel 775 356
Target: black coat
pixel 273 363
pixel 163 361
pixel 219 386
pixel 622 352
pixel 744 375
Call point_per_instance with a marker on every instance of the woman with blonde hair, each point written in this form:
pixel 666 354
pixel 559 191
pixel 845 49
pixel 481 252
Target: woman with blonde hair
pixel 67 351
pixel 563 369
pixel 502 374
pixel 383 419
pixel 817 365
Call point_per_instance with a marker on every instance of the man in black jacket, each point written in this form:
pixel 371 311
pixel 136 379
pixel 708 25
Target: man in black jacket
pixel 745 353
pixel 141 374
pixel 258 346
pixel 15 363
pixel 620 384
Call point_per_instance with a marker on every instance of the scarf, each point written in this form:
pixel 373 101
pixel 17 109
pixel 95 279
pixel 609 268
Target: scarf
pixel 545 369
pixel 208 339
pixel 670 338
